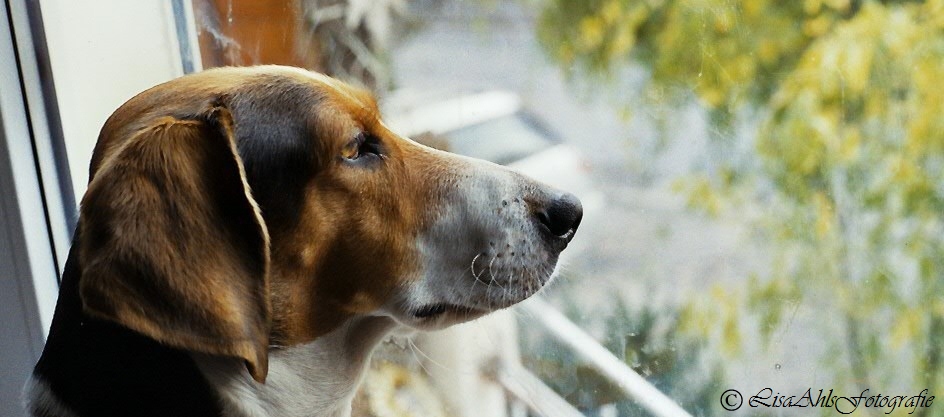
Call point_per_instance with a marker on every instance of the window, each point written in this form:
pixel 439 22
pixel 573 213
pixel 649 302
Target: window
pixel 761 180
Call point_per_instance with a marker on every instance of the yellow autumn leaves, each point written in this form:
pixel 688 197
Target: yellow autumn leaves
pixel 836 83
pixel 845 103
pixel 870 92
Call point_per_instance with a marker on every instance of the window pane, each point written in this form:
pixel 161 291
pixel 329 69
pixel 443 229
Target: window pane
pixel 502 140
pixel 760 180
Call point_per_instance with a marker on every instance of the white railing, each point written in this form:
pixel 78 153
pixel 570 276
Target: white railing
pixel 534 394
pixel 526 387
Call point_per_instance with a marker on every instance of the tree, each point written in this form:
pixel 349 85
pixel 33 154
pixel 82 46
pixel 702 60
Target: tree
pixel 845 103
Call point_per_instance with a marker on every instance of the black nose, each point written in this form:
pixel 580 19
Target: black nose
pixel 562 216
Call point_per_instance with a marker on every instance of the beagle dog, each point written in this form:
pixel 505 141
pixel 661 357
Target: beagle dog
pixel 250 234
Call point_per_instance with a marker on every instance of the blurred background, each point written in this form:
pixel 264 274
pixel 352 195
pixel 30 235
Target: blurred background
pixel 762 181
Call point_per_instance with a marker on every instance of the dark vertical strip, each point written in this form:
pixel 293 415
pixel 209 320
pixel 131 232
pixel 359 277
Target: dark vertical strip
pixel 54 121
pixel 51 106
pixel 12 233
pixel 183 37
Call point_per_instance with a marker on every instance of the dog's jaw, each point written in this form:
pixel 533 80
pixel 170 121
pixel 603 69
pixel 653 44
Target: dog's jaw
pixel 318 378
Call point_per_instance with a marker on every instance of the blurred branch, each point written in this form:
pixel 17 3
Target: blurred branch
pixel 352 37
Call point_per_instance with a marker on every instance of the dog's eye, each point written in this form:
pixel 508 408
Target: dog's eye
pixel 352 149
pixel 363 144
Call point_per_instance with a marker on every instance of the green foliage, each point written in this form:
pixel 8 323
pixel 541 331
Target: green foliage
pixel 846 103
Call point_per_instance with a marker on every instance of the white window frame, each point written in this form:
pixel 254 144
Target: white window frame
pixel 28 266
pixel 38 209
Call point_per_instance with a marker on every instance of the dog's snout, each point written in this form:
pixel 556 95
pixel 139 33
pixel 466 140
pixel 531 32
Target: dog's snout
pixel 562 216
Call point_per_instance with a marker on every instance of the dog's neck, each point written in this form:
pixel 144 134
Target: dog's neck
pixel 314 379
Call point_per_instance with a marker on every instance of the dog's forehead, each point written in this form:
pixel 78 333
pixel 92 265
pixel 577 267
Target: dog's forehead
pixel 192 94
pixel 354 100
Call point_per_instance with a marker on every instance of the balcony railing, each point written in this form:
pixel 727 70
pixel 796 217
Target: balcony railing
pixel 526 388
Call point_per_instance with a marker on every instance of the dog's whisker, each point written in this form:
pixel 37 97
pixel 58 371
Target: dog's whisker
pixel 479 276
pixel 416 349
pixel 416 358
pixel 492 277
pixel 473 264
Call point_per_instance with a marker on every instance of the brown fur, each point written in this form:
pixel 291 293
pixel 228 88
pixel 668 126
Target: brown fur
pixel 173 243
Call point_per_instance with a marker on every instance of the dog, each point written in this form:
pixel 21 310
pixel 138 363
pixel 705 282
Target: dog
pixel 249 235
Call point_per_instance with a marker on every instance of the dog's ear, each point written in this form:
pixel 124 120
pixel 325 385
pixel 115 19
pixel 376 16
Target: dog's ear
pixel 173 245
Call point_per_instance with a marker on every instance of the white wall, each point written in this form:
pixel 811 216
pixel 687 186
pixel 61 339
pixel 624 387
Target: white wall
pixel 102 53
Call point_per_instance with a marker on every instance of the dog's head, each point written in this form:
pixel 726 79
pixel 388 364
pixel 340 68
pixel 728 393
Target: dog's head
pixel 235 209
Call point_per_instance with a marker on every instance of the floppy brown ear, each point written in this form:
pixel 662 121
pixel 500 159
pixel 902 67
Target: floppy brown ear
pixel 172 242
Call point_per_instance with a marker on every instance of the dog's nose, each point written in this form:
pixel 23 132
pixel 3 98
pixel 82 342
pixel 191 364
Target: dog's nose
pixel 562 216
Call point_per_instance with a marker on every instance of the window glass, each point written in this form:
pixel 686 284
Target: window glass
pixel 503 140
pixel 761 183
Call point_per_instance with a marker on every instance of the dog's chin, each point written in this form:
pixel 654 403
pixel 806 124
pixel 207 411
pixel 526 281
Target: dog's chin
pixel 439 316
pixel 436 316
pixel 435 313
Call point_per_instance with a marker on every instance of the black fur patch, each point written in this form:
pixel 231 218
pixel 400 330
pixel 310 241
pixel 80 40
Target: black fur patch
pixel 101 369
pixel 275 137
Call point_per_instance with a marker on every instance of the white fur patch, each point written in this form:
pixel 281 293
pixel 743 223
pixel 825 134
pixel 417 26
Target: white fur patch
pixel 315 379
pixel 40 400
